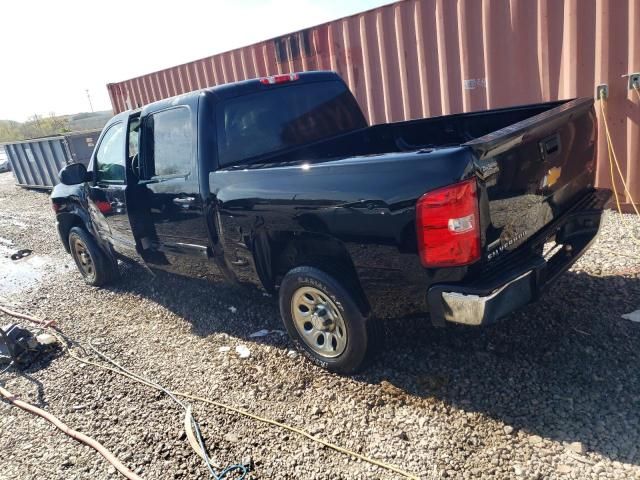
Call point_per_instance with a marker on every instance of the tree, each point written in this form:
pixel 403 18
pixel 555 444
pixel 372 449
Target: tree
pixel 35 127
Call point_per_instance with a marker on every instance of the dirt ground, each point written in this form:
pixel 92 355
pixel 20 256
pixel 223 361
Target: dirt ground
pixel 553 391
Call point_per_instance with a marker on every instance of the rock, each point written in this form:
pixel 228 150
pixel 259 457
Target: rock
pixel 317 429
pixel 390 388
pixel 231 437
pixel 508 429
pixel 563 469
pixel 247 461
pixel 577 447
pixel 535 439
pixel 243 351
pixel 46 339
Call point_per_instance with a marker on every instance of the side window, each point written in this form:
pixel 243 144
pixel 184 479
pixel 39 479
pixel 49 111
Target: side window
pixel 110 156
pixel 133 134
pixel 172 142
pixel 134 126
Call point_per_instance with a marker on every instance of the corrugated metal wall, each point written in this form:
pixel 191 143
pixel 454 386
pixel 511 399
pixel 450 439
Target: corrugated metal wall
pixel 420 58
pixel 36 163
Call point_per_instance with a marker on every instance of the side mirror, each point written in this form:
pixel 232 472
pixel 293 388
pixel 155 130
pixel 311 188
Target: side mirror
pixel 73 174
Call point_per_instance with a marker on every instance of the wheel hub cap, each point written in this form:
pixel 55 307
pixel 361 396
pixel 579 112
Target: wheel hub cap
pixel 319 322
pixel 84 259
pixel 320 319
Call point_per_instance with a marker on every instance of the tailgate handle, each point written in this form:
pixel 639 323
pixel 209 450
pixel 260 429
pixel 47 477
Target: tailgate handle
pixel 550 146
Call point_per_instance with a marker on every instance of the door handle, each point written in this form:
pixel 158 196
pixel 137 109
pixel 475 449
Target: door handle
pixel 184 201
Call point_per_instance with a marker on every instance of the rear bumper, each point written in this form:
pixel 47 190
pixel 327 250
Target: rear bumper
pixel 521 277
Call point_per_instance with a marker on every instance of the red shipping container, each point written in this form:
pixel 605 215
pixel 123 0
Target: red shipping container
pixel 421 58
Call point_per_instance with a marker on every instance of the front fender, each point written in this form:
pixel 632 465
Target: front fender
pixel 73 218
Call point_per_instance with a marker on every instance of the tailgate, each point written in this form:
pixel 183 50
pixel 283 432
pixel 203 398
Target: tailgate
pixel 532 171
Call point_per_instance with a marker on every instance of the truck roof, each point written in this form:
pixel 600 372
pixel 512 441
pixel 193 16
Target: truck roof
pixel 234 89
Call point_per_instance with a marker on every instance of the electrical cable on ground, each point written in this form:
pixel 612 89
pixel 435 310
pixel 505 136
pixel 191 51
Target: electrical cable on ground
pixel 612 155
pixel 614 159
pixel 189 420
pixel 193 426
pixel 81 437
pixel 125 373
pixel 41 323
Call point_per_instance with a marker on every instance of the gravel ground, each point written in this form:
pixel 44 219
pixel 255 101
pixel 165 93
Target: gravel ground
pixel 551 392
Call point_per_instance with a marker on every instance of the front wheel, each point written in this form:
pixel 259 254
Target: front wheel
pixel 324 320
pixel 94 265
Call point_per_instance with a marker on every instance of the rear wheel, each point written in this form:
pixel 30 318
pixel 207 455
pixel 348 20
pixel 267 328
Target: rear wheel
pixel 94 265
pixel 324 320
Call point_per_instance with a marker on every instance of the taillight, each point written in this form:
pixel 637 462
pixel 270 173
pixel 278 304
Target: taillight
pixel 103 206
pixel 287 77
pixel 447 224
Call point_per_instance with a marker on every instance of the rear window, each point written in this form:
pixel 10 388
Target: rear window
pixel 284 117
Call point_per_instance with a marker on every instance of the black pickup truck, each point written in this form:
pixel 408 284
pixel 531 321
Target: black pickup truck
pixel 280 182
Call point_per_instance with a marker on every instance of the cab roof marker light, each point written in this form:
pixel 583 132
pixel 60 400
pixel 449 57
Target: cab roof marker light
pixel 275 79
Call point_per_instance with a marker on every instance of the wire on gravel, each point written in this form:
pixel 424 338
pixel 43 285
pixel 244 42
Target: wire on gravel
pixel 125 373
pixel 81 437
pixel 189 420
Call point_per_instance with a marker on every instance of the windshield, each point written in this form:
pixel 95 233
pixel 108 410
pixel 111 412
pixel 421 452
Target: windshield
pixel 285 117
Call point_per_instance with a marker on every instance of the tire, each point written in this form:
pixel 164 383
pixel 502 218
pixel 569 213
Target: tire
pixel 332 332
pixel 96 268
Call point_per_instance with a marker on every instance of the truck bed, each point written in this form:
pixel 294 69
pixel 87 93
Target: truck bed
pixel 407 136
pixel 533 159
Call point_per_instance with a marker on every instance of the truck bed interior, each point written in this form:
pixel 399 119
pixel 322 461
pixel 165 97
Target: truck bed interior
pixel 421 134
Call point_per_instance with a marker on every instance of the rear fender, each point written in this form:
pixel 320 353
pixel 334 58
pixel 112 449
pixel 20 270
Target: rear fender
pixel 278 253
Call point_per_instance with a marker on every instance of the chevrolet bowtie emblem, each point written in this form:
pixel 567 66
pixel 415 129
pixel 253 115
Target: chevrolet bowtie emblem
pixel 552 176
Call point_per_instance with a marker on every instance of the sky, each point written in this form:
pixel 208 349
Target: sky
pixel 51 52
